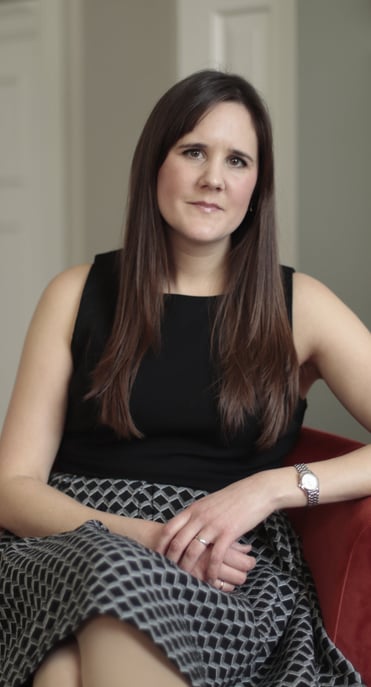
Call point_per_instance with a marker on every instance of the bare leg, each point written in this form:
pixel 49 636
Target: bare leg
pixel 61 668
pixel 114 654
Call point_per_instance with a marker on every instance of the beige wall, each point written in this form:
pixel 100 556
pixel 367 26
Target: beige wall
pixel 334 165
pixel 129 59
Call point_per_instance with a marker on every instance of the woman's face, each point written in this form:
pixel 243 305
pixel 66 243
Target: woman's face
pixel 206 182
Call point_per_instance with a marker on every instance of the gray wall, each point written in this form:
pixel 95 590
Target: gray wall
pixel 335 166
pixel 129 50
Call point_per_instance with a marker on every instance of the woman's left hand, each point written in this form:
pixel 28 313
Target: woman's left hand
pixel 218 520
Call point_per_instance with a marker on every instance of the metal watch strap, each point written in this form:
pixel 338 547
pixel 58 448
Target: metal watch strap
pixel 311 494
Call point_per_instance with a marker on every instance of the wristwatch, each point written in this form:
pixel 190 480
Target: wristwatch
pixel 309 483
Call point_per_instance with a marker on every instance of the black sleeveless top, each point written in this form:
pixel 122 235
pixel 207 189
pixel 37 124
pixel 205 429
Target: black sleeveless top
pixel 172 401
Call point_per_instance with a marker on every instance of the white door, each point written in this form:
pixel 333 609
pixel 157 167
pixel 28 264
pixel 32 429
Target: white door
pixel 257 39
pixel 32 204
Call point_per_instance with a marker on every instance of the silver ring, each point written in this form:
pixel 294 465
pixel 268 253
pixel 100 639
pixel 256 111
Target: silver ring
pixel 221 585
pixel 202 541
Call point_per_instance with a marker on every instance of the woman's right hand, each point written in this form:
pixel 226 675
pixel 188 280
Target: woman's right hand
pixel 235 567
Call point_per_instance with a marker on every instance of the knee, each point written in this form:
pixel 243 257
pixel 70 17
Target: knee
pixel 61 667
pixel 97 624
pixel 98 628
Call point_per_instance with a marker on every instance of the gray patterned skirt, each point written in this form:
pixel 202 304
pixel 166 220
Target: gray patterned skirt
pixel 267 633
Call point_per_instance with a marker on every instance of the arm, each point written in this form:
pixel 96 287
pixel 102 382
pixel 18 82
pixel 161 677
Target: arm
pixel 331 344
pixel 33 429
pixel 337 346
pixel 35 419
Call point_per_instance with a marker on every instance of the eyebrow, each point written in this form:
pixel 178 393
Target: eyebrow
pixel 232 151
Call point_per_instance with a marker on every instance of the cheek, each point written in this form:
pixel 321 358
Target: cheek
pixel 163 189
pixel 166 186
pixel 242 195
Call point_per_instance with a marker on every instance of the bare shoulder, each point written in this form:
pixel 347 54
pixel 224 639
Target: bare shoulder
pixel 68 284
pixel 308 290
pixel 34 422
pixel 332 341
pixel 61 298
pixel 324 327
pixel 315 303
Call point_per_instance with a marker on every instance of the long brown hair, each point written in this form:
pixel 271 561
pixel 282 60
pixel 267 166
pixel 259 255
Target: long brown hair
pixel 255 360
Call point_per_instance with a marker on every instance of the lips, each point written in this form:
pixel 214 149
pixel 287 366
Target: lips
pixel 206 207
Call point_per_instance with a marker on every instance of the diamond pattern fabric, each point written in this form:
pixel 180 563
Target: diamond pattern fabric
pixel 267 633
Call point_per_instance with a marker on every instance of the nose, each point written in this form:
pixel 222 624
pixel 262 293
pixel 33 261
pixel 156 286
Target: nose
pixel 212 175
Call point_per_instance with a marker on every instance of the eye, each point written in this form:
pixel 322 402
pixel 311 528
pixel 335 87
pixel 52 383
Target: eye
pixel 236 161
pixel 193 153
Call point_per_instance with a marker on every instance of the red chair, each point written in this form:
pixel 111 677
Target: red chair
pixel 336 542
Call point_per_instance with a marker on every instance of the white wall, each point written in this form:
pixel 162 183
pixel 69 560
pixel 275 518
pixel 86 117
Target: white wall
pixel 335 165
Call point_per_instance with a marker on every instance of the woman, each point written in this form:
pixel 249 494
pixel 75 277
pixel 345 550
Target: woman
pixel 158 393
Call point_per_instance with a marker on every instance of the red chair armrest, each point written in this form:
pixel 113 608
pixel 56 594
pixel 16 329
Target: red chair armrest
pixel 336 542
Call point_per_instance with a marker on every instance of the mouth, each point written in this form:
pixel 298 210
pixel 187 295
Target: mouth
pixel 206 207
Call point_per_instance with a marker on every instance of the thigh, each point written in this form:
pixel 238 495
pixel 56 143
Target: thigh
pixel 61 668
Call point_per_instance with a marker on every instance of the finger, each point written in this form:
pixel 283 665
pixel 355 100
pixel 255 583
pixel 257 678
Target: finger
pixel 222 585
pixel 217 556
pixel 171 529
pixel 202 541
pixel 187 545
pixel 195 550
pixel 245 548
pixel 239 560
pixel 232 576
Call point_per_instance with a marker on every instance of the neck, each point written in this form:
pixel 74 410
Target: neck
pixel 200 271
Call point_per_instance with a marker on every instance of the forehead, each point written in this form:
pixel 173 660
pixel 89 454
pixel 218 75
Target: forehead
pixel 227 122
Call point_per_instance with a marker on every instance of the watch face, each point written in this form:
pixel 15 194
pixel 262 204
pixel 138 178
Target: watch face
pixel 309 481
